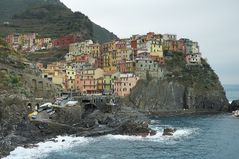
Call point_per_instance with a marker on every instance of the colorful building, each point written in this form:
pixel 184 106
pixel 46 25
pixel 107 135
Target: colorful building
pixel 170 37
pixel 108 81
pixel 124 84
pixel 64 40
pixel 95 50
pixel 54 73
pixel 155 47
pixel 87 80
pixel 71 76
pixel 193 59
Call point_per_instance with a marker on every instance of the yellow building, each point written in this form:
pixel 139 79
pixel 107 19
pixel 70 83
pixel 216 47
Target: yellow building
pixel 71 75
pixel 155 48
pixel 54 73
pixel 109 46
pixel 130 66
pixel 58 79
pixel 100 84
pixel 94 50
pixel 110 61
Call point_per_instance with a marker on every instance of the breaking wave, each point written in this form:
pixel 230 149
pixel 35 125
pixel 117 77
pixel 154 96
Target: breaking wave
pixel 42 149
pixel 180 134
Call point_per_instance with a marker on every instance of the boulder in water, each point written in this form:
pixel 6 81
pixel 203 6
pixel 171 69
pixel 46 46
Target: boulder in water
pixel 169 131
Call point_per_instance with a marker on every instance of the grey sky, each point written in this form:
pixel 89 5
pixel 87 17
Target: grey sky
pixel 213 23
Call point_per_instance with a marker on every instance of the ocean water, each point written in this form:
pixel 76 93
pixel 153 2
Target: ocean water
pixel 197 137
pixel 232 91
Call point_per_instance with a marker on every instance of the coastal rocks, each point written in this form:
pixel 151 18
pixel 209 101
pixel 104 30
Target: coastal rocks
pixel 159 97
pixel 132 122
pixel 17 130
pixel 134 128
pixel 68 115
pixel 235 113
pixel 234 106
pixel 169 131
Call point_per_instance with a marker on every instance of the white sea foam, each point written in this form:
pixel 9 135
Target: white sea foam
pixel 123 137
pixel 180 134
pixel 44 148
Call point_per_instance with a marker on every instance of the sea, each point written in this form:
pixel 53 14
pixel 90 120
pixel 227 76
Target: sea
pixel 204 136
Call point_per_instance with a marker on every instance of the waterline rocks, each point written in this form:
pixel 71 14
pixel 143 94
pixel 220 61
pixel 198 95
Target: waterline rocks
pixel 169 131
pixel 234 106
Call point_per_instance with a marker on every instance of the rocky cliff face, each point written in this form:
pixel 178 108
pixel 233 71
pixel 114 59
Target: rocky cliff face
pixel 185 89
pixel 15 128
pixel 158 97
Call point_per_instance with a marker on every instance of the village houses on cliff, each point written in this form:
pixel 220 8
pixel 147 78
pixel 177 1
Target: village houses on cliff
pixel 109 68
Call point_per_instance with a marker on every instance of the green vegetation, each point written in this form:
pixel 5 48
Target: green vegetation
pixel 7 52
pixel 101 34
pixel 201 77
pixel 10 57
pixel 9 8
pixel 49 18
pixel 48 56
pixel 9 80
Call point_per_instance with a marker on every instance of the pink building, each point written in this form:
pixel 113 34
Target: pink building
pixel 39 65
pixel 124 84
pixel 82 58
pixel 122 66
pixel 86 80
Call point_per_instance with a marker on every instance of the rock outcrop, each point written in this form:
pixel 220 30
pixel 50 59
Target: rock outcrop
pixel 234 106
pixel 188 89
pixel 15 128
pixel 158 97
pixel 169 131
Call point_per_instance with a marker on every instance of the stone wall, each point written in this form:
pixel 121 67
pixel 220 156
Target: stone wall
pixel 37 86
pixel 159 74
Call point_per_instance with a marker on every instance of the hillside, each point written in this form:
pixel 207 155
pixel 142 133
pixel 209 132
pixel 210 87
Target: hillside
pixel 49 18
pixel 10 8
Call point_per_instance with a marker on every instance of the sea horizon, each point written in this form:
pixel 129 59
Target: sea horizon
pixel 232 91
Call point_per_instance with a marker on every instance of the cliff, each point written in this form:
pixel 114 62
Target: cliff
pixel 184 89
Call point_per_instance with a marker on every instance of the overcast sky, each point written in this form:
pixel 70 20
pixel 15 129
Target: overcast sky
pixel 213 23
